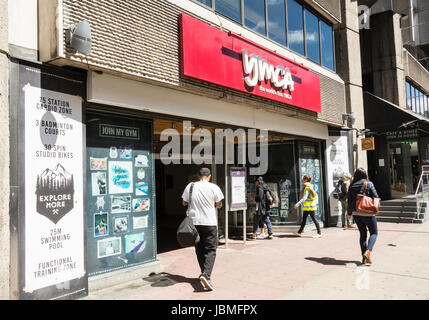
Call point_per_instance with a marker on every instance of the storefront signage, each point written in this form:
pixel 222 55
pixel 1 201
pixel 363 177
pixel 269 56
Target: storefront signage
pixel 231 61
pixel 110 131
pixel 337 156
pixel 54 208
pixel 257 69
pixel 402 134
pixel 368 144
pixel 238 189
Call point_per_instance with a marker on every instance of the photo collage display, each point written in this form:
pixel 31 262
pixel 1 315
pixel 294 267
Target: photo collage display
pixel 120 189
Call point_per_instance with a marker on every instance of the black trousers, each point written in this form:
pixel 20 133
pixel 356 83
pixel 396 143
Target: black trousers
pixel 206 248
pixel 304 221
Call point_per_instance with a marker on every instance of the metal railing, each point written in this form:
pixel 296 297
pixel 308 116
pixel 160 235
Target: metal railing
pixel 422 193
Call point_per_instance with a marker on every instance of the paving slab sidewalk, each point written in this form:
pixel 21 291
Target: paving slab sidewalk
pixel 290 267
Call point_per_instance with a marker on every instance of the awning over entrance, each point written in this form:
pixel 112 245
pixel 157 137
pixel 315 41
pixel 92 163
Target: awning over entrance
pixel 382 115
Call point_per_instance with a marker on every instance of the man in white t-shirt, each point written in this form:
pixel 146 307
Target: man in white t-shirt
pixel 206 197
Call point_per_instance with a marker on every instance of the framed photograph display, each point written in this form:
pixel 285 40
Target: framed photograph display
pixel 121 228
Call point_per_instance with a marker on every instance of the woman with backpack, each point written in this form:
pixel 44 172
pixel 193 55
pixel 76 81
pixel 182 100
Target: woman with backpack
pixel 308 201
pixel 343 186
pixel 263 202
pixel 365 221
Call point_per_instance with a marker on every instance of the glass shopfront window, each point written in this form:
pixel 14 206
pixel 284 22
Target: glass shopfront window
pixel 281 179
pixel 327 41
pixel 120 207
pixel 310 163
pixel 276 21
pixel 408 95
pixel 295 24
pixel 254 15
pixel 425 100
pixel 229 8
pixel 404 167
pixel 206 2
pixel 417 101
pixel 285 170
pixel 312 36
pixel 283 22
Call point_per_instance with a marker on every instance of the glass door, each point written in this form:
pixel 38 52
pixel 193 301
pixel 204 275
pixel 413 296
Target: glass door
pixel 310 163
pixel 404 168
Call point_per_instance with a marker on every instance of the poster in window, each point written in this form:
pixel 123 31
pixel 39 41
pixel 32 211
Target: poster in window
pixel 99 186
pixel 101 224
pixel 134 243
pixel 337 164
pixel 120 177
pixel 141 204
pixel 120 204
pixel 109 247
pixel 120 225
pixel 53 163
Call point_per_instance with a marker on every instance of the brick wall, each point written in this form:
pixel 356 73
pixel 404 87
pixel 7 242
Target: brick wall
pixel 140 40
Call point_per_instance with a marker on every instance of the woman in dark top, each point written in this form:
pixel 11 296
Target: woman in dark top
pixel 365 221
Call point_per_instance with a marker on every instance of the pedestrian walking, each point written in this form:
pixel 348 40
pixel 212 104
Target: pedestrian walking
pixel 343 186
pixel 309 205
pixel 206 197
pixel 264 200
pixel 365 221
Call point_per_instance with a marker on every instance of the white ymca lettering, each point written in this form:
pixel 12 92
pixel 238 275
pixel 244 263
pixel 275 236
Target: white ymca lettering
pixel 260 69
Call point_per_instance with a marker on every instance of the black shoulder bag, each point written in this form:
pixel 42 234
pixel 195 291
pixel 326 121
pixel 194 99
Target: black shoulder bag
pixel 187 234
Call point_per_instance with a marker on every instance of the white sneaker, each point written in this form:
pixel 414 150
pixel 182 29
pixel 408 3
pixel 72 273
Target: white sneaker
pixel 261 236
pixel 298 234
pixel 206 283
pixel 317 236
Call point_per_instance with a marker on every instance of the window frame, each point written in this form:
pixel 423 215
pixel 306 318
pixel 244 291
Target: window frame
pixel 265 16
pixel 408 94
pixel 285 24
pixel 305 6
pixel 425 102
pixel 321 19
pixel 314 13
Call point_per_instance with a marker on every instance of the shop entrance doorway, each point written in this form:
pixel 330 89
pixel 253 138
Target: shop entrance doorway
pixel 171 181
pixel 404 167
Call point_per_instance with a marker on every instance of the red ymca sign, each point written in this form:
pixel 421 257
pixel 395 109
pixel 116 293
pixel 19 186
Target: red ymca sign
pixel 231 61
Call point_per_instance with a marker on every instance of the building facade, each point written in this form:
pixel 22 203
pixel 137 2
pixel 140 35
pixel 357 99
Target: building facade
pixel 93 169
pixel 396 87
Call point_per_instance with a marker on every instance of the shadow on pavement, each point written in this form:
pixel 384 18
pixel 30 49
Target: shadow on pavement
pixel 167 279
pixel 332 261
pixel 286 236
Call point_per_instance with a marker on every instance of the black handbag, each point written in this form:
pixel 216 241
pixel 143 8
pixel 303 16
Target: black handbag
pixel 187 234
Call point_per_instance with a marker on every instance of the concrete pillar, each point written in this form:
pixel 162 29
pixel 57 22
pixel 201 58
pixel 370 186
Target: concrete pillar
pixel 387 58
pixel 4 153
pixel 348 59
